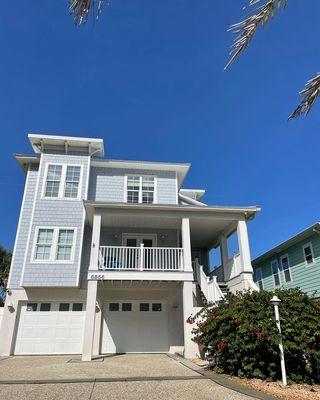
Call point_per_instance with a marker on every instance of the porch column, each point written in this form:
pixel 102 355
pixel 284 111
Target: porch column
pixel 190 348
pixel 92 288
pixel 186 244
pixel 224 253
pixel 244 249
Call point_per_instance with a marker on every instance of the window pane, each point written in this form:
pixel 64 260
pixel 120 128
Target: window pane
pixel 258 274
pixel 73 174
pixel 114 307
pixel 53 180
pixel 65 242
pixel 64 307
pixel 65 236
pixel 287 275
pixel 133 197
pixel 156 307
pixel 45 307
pixel 126 306
pixel 147 197
pixel 64 253
pixel 71 190
pixel 45 236
pixel 77 306
pixel 274 267
pixel 285 263
pixel 72 181
pixel 308 255
pixel 260 284
pixel 133 183
pixel 148 183
pixel 43 252
pixel 144 307
pixel 32 306
pixel 54 172
pixel 276 280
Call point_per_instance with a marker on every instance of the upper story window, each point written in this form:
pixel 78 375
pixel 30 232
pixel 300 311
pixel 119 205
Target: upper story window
pixel 308 254
pixel 62 181
pixel 286 268
pixel 140 189
pixel 54 245
pixel 275 273
pixel 259 278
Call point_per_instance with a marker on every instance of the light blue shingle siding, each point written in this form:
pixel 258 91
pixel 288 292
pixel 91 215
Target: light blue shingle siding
pixel 57 213
pixel 22 234
pixel 307 278
pixel 108 184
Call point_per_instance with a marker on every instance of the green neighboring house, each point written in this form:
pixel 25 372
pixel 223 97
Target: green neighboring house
pixel 293 263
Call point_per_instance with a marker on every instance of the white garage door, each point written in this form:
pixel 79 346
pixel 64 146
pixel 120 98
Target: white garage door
pixel 135 327
pixel 50 328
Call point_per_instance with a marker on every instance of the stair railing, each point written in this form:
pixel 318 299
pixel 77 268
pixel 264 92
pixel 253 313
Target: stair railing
pixel 209 287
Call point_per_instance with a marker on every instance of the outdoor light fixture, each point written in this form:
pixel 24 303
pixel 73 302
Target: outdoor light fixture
pixel 276 301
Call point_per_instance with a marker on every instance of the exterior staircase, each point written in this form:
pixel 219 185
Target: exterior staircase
pixel 211 293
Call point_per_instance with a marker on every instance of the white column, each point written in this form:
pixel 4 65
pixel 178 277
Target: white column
pixel 224 254
pixel 97 328
pixel 95 242
pixel 244 249
pixel 190 348
pixel 186 244
pixel 88 334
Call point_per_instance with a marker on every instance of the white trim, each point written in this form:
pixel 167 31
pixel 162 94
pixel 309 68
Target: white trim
pixel 273 275
pixel 54 245
pixel 261 280
pixel 31 220
pixel 177 194
pixel 62 184
pixel 309 244
pixel 141 176
pixel 83 220
pixel 289 268
pixel 19 224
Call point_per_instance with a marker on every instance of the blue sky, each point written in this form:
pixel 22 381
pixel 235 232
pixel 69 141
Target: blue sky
pixel 149 79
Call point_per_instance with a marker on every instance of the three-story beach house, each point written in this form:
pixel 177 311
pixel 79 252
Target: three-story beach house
pixel 112 256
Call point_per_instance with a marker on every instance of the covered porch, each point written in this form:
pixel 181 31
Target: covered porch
pixel 157 244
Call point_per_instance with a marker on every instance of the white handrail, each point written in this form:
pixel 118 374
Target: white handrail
pixel 209 287
pixel 141 258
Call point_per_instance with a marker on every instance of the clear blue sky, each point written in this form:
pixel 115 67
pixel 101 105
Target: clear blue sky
pixel 149 79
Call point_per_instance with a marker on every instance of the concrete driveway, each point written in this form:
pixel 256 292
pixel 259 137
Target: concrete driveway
pixel 132 377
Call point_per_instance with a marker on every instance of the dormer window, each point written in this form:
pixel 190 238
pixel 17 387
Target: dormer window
pixel 62 181
pixel 140 189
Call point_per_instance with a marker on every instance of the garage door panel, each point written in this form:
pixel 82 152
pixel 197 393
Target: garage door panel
pixel 135 331
pixel 42 332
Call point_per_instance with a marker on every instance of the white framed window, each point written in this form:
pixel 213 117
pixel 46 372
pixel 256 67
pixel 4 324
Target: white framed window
pixel 54 245
pixel 44 244
pixel 140 189
pixel 62 181
pixel 275 273
pixel 259 278
pixel 308 253
pixel 285 265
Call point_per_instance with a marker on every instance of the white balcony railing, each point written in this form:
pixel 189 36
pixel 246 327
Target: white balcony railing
pixel 140 258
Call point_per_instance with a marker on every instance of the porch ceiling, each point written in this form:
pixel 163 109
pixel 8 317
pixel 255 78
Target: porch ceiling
pixel 206 223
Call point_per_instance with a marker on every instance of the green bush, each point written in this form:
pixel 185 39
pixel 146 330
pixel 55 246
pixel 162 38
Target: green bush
pixel 241 336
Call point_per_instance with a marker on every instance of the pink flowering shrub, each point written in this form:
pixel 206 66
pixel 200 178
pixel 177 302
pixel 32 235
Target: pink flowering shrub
pixel 241 337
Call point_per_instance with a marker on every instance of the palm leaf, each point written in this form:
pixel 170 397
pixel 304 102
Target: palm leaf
pixel 246 29
pixel 309 95
pixel 81 9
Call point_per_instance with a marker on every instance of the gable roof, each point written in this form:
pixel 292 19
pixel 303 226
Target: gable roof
pixel 289 242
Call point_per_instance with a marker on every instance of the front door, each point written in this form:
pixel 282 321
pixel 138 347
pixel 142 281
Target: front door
pixel 133 259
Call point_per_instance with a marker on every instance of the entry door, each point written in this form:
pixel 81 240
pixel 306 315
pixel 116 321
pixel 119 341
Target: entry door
pixel 133 255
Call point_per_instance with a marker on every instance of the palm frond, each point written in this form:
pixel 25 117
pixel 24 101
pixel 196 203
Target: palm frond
pixel 246 29
pixel 82 8
pixel 309 95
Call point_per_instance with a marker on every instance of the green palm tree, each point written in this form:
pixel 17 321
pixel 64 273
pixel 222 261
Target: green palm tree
pixel 260 13
pixel 5 262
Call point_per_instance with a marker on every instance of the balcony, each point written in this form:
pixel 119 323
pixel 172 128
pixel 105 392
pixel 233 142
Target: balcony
pixel 122 258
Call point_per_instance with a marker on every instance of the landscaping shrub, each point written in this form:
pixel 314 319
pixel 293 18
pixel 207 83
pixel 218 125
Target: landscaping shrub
pixel 241 336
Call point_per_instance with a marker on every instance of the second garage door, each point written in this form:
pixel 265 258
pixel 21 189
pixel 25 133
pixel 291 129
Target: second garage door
pixel 50 328
pixel 135 327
